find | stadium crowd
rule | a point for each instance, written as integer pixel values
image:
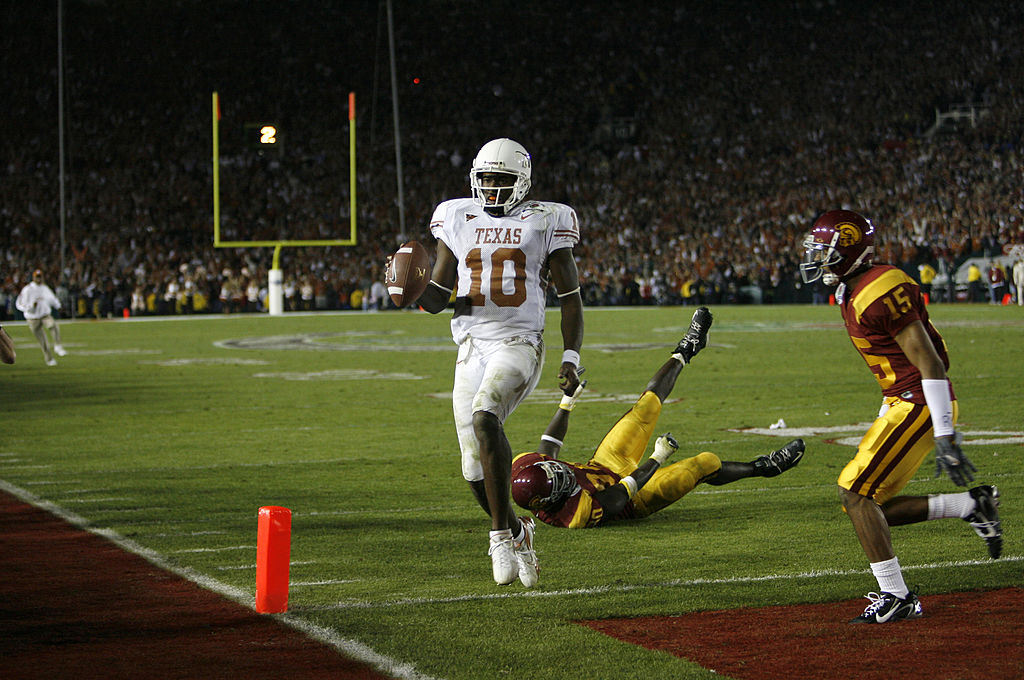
(696, 145)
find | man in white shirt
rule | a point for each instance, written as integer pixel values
(497, 252)
(37, 302)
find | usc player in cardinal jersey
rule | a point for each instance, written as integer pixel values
(888, 323)
(614, 484)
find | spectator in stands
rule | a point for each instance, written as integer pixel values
(729, 188)
(377, 296)
(996, 282)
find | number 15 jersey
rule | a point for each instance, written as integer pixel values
(502, 263)
(883, 303)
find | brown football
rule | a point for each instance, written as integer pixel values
(409, 273)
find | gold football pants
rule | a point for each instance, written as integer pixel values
(892, 450)
(621, 449)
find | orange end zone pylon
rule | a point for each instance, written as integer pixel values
(273, 553)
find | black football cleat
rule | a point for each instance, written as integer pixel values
(777, 462)
(985, 518)
(886, 608)
(696, 337)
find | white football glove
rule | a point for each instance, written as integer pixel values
(664, 447)
(568, 402)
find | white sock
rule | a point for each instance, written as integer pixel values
(890, 577)
(944, 505)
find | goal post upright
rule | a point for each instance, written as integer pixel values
(216, 168)
(275, 276)
(352, 165)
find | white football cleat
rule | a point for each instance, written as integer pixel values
(529, 567)
(503, 558)
(59, 349)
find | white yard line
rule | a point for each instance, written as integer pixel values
(674, 583)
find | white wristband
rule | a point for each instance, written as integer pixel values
(562, 295)
(936, 395)
(571, 356)
(630, 485)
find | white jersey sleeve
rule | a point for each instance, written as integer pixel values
(502, 264)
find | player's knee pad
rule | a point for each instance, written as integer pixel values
(705, 464)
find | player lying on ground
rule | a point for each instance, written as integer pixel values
(614, 484)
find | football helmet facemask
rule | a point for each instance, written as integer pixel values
(839, 245)
(543, 485)
(500, 175)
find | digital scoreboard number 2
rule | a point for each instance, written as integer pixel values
(268, 134)
(263, 136)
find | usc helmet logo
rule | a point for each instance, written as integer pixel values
(849, 234)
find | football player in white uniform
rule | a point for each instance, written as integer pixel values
(496, 251)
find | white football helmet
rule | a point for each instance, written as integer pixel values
(509, 158)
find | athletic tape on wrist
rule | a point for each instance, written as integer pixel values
(936, 395)
(630, 485)
(571, 356)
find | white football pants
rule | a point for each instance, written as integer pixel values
(493, 376)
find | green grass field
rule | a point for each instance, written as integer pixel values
(169, 434)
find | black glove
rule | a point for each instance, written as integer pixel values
(949, 458)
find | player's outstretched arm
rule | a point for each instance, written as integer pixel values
(442, 281)
(553, 437)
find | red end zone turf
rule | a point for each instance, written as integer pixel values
(74, 605)
(962, 635)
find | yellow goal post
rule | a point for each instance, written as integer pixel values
(275, 283)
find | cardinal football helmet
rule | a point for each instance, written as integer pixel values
(543, 485)
(840, 243)
(504, 159)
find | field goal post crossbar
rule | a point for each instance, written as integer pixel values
(275, 297)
